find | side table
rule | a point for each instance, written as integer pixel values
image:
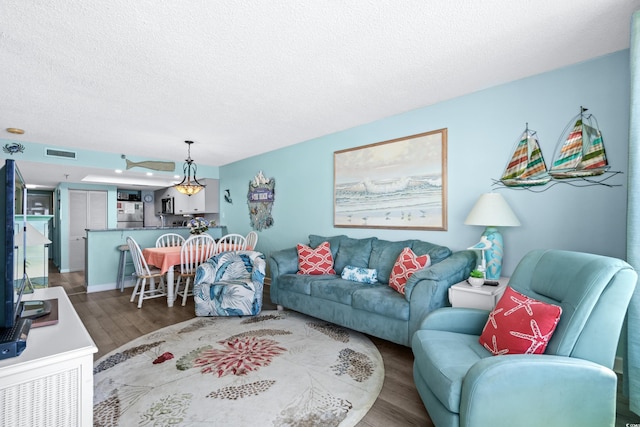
(485, 297)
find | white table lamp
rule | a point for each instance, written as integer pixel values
(492, 211)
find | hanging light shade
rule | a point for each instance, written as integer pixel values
(189, 184)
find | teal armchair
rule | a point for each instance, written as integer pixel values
(572, 383)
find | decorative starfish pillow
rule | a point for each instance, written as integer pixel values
(315, 261)
(406, 264)
(519, 325)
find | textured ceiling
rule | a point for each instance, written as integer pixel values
(245, 77)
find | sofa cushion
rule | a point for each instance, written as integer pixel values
(334, 242)
(406, 264)
(335, 289)
(383, 256)
(443, 359)
(382, 300)
(315, 261)
(354, 252)
(299, 283)
(519, 325)
(436, 253)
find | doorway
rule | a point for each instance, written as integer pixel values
(87, 210)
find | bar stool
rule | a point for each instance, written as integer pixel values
(121, 266)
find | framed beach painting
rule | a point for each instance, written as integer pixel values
(396, 184)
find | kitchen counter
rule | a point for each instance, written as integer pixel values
(166, 229)
(103, 256)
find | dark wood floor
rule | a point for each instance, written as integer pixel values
(113, 321)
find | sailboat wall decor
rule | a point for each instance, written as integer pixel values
(526, 167)
(582, 154)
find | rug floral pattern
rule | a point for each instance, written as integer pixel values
(274, 369)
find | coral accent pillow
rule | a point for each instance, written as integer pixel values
(406, 264)
(519, 325)
(315, 261)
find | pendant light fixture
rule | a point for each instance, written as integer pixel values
(189, 184)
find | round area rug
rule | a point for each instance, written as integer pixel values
(275, 369)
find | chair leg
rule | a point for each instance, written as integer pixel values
(186, 291)
(135, 290)
(176, 291)
(141, 297)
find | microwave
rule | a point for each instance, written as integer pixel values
(167, 206)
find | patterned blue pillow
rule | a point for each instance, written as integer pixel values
(359, 274)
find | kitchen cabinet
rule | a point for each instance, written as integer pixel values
(206, 201)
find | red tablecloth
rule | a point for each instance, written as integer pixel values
(163, 258)
(166, 257)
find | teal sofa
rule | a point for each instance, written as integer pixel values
(571, 384)
(375, 309)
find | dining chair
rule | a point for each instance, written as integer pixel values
(169, 239)
(252, 240)
(195, 250)
(144, 273)
(231, 242)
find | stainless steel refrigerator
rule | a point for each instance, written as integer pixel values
(130, 214)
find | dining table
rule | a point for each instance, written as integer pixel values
(166, 258)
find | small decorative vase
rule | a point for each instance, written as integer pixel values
(476, 282)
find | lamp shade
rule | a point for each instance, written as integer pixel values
(492, 209)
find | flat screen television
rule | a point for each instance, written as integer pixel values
(12, 222)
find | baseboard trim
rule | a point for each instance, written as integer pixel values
(108, 286)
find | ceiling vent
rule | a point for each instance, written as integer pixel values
(54, 152)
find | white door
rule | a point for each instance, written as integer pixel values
(87, 209)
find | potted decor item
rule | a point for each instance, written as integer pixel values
(476, 278)
(198, 225)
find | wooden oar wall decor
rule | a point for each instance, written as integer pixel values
(151, 164)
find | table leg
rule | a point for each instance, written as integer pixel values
(170, 295)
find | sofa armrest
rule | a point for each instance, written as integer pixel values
(281, 262)
(460, 320)
(448, 271)
(427, 289)
(284, 261)
(540, 390)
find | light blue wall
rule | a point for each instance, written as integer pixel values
(483, 128)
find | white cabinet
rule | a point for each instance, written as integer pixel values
(51, 382)
(212, 194)
(206, 201)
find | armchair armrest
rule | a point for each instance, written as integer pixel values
(461, 320)
(538, 390)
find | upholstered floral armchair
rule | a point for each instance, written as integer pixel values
(230, 284)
